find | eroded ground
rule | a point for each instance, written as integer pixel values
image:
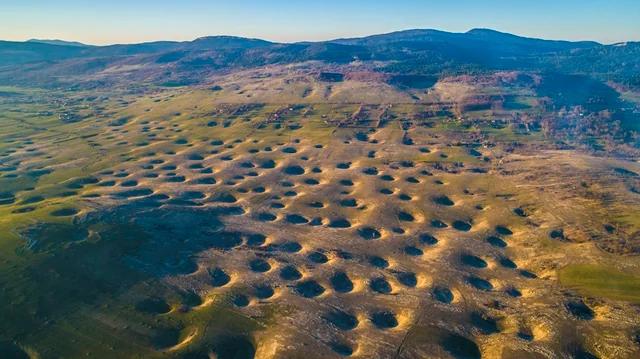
(176, 225)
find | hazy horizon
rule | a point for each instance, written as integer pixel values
(303, 40)
(121, 22)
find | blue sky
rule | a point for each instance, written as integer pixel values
(127, 21)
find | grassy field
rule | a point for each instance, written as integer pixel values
(190, 223)
(601, 281)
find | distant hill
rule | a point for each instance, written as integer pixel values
(59, 42)
(227, 42)
(473, 39)
(17, 53)
(419, 51)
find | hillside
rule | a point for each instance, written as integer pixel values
(426, 52)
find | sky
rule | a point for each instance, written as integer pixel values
(132, 21)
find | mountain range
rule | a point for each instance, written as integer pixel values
(55, 63)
